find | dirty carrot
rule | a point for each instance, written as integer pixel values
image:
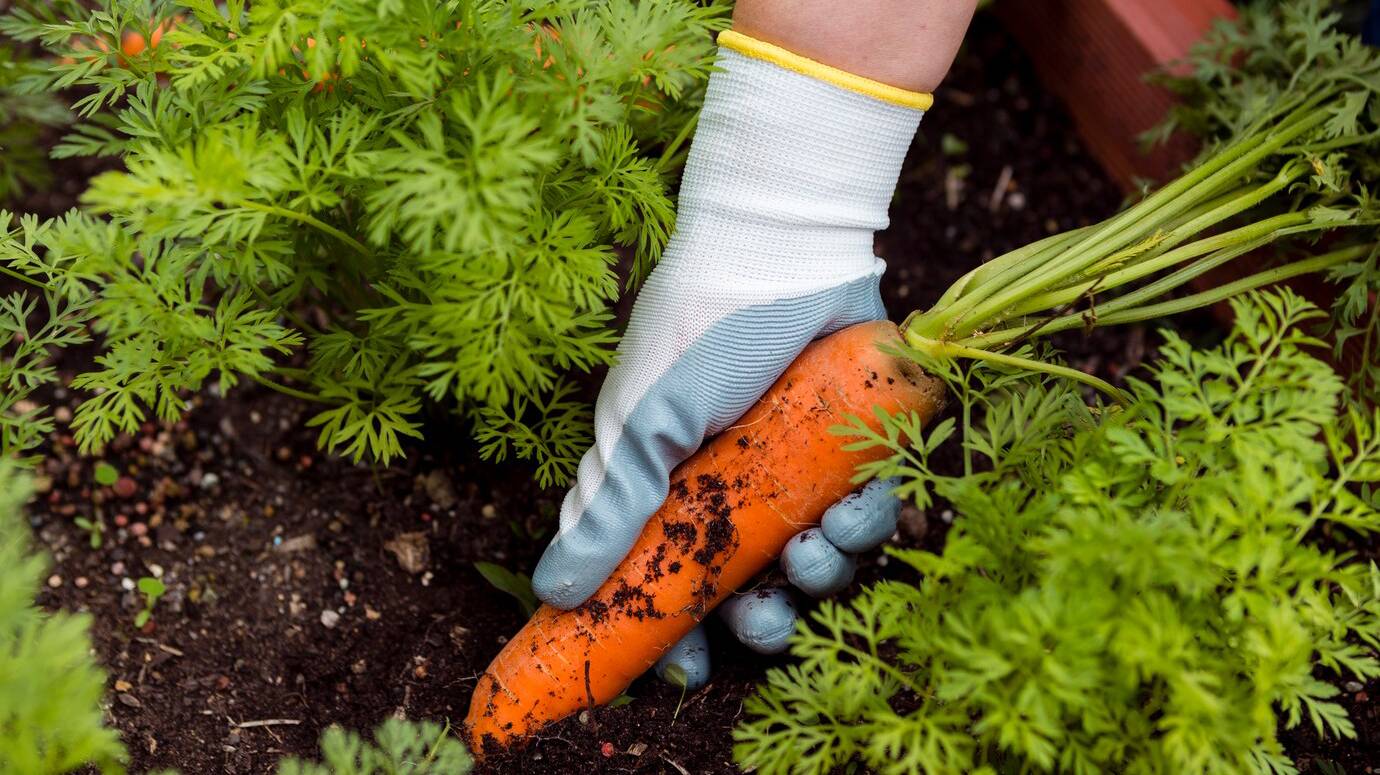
(733, 505)
(731, 509)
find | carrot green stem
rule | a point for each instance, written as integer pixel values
(939, 349)
(323, 227)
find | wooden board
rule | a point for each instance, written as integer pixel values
(1094, 54)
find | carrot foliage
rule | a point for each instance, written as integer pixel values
(1151, 588)
(372, 206)
(1291, 111)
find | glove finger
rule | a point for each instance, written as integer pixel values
(643, 430)
(816, 566)
(691, 655)
(762, 619)
(864, 520)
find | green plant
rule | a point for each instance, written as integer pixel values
(399, 748)
(518, 585)
(152, 590)
(28, 338)
(23, 118)
(50, 689)
(1151, 588)
(94, 529)
(1247, 71)
(365, 205)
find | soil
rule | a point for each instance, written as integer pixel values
(305, 591)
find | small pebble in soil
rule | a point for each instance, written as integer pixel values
(209, 480)
(138, 529)
(125, 487)
(127, 584)
(81, 581)
(489, 511)
(121, 520)
(117, 568)
(156, 570)
(1354, 686)
(329, 619)
(54, 581)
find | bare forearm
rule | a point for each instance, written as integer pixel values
(905, 43)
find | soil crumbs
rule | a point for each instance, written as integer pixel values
(305, 592)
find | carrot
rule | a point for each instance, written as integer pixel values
(731, 509)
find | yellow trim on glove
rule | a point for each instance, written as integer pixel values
(760, 49)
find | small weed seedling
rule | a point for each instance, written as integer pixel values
(152, 589)
(516, 584)
(94, 529)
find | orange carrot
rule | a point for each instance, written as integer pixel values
(731, 509)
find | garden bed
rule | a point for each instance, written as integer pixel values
(305, 592)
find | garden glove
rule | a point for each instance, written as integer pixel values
(791, 171)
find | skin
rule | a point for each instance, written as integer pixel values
(905, 43)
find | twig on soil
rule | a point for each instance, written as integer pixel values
(675, 764)
(270, 722)
(999, 190)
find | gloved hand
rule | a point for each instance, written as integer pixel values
(789, 175)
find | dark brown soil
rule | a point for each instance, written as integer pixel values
(293, 600)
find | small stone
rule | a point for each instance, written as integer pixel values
(156, 570)
(329, 619)
(412, 550)
(607, 750)
(129, 700)
(127, 584)
(489, 511)
(209, 480)
(359, 667)
(125, 487)
(117, 568)
(583, 717)
(122, 685)
(1353, 686)
(371, 614)
(121, 520)
(458, 636)
(438, 487)
(54, 581)
(301, 543)
(912, 523)
(62, 414)
(138, 529)
(82, 582)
